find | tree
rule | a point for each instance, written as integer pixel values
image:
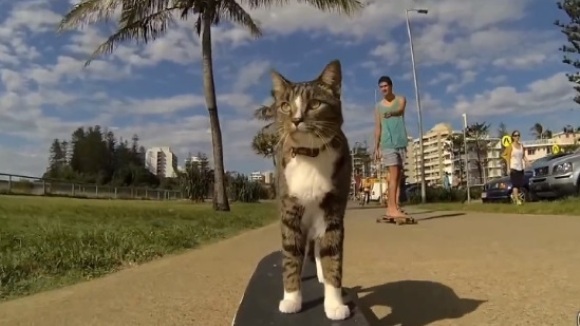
(196, 178)
(264, 143)
(502, 130)
(478, 137)
(96, 156)
(537, 130)
(571, 29)
(143, 21)
(456, 146)
(56, 160)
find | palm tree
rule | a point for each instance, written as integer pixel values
(547, 134)
(502, 130)
(456, 146)
(146, 20)
(264, 143)
(538, 130)
(479, 132)
(568, 129)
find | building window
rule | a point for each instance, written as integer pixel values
(531, 151)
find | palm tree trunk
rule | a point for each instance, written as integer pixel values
(220, 198)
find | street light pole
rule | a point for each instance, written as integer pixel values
(418, 100)
(466, 156)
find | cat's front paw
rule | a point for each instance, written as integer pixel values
(288, 306)
(336, 311)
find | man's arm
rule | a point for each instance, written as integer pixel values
(399, 111)
(377, 128)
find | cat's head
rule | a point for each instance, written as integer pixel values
(309, 113)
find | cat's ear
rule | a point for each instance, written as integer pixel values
(332, 76)
(279, 83)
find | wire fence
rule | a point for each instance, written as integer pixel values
(27, 185)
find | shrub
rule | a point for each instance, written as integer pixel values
(442, 195)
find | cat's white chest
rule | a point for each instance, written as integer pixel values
(309, 179)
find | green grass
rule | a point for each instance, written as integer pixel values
(569, 206)
(51, 242)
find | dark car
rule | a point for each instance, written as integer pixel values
(500, 189)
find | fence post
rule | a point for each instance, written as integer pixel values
(43, 187)
(146, 193)
(9, 184)
(115, 192)
(73, 189)
(158, 194)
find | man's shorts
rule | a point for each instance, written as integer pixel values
(393, 156)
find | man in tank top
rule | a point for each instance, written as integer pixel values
(391, 141)
(516, 161)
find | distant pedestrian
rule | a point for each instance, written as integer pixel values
(446, 183)
(516, 161)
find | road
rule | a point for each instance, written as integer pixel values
(450, 269)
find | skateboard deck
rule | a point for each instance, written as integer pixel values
(259, 305)
(385, 219)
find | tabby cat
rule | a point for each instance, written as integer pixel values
(313, 175)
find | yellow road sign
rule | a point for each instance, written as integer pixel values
(506, 141)
(556, 149)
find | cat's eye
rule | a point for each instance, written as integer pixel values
(285, 107)
(315, 104)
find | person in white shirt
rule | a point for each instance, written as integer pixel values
(516, 161)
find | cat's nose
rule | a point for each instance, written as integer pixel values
(297, 121)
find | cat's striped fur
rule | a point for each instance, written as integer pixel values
(313, 177)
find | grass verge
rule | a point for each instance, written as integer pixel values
(569, 206)
(48, 242)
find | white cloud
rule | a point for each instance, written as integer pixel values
(250, 74)
(548, 95)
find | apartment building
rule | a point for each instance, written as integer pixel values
(257, 176)
(161, 161)
(439, 158)
(437, 155)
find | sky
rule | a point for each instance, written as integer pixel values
(495, 60)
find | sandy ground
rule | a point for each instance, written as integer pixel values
(450, 269)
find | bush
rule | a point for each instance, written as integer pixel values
(245, 190)
(442, 195)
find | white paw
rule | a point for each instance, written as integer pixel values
(336, 311)
(320, 277)
(288, 306)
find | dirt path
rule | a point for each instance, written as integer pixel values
(475, 269)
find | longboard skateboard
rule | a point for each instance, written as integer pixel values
(398, 221)
(259, 305)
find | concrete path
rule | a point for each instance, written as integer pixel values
(450, 269)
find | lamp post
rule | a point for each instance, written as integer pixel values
(466, 156)
(418, 100)
(353, 155)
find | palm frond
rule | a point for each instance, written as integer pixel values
(136, 28)
(87, 12)
(265, 112)
(347, 7)
(232, 11)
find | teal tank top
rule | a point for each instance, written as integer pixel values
(393, 131)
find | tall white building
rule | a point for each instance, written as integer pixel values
(161, 161)
(439, 159)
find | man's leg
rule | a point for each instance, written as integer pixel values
(400, 154)
(391, 160)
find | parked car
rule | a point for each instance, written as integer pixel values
(558, 176)
(500, 190)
